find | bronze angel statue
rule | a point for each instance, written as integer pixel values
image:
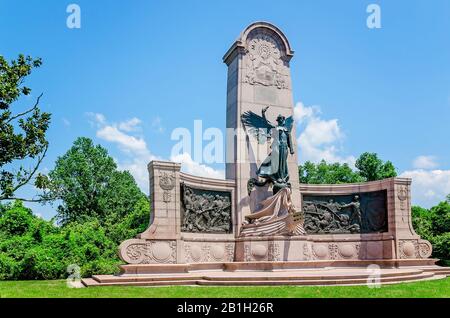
(274, 168)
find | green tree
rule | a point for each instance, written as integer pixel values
(421, 220)
(132, 224)
(88, 185)
(440, 218)
(371, 168)
(22, 133)
(15, 220)
(325, 173)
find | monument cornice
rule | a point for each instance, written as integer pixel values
(240, 44)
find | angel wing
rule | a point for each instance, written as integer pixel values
(289, 123)
(257, 125)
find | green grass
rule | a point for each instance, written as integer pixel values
(58, 288)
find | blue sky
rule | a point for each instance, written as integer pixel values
(138, 69)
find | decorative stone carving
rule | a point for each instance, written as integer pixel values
(306, 252)
(207, 252)
(217, 252)
(333, 250)
(402, 196)
(167, 183)
(148, 252)
(205, 211)
(274, 252)
(425, 249)
(414, 249)
(247, 255)
(264, 64)
(229, 248)
(408, 249)
(347, 250)
(259, 251)
(137, 253)
(320, 251)
(161, 251)
(337, 214)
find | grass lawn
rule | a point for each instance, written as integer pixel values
(58, 288)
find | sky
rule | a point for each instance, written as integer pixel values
(136, 70)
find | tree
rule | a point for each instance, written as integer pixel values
(371, 168)
(434, 225)
(324, 173)
(22, 134)
(15, 220)
(421, 220)
(440, 218)
(87, 182)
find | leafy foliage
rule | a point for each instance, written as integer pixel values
(100, 207)
(22, 134)
(324, 173)
(87, 182)
(369, 168)
(434, 225)
(31, 248)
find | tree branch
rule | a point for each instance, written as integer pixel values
(28, 111)
(25, 200)
(24, 182)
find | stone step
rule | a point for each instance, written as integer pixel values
(245, 282)
(282, 275)
(438, 270)
(252, 279)
(269, 265)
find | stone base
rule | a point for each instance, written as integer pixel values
(212, 249)
(274, 273)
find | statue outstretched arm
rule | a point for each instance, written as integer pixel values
(263, 113)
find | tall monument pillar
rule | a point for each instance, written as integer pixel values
(258, 76)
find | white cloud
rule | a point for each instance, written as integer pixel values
(319, 138)
(137, 152)
(157, 125)
(130, 125)
(302, 112)
(96, 119)
(428, 186)
(194, 168)
(425, 162)
(127, 143)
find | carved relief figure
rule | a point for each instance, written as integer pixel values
(322, 217)
(206, 212)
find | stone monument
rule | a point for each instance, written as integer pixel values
(260, 217)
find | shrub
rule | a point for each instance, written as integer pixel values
(16, 220)
(9, 268)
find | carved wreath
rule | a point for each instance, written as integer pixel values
(166, 181)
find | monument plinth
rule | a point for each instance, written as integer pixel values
(260, 217)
